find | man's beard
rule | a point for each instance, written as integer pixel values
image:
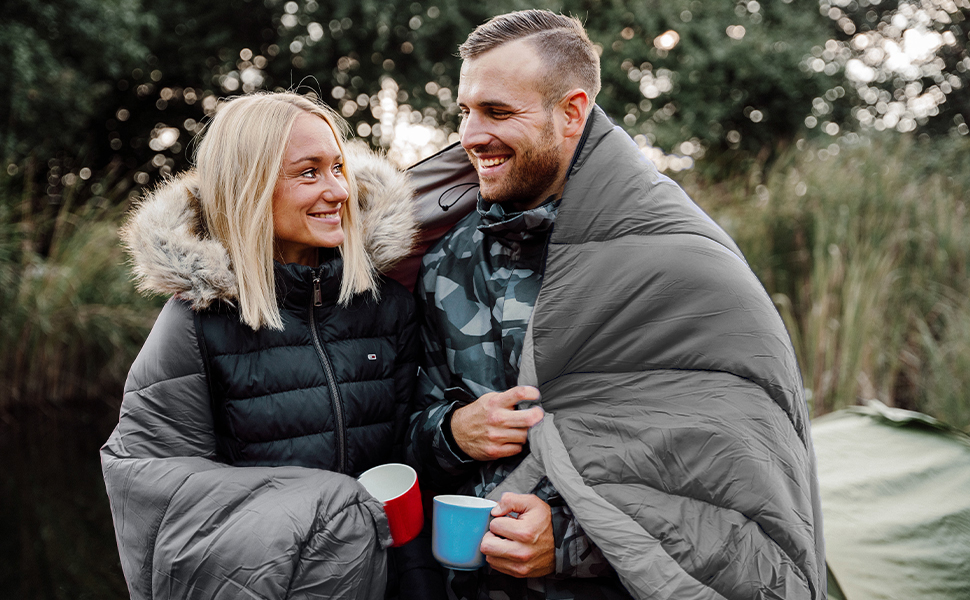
(534, 172)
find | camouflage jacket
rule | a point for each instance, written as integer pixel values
(476, 291)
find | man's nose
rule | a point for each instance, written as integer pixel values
(473, 131)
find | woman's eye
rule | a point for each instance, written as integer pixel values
(308, 173)
(338, 169)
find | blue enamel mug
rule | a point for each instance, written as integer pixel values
(458, 525)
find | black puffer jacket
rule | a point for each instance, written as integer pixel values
(208, 400)
(330, 391)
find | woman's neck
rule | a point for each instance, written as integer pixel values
(308, 257)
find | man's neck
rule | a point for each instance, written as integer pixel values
(516, 206)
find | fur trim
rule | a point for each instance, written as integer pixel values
(386, 204)
(172, 255)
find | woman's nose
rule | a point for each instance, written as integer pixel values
(335, 190)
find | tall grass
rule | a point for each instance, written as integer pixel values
(71, 321)
(867, 255)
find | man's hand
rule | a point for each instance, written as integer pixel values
(491, 428)
(521, 546)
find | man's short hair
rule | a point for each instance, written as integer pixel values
(569, 57)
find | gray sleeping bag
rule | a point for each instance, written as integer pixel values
(188, 526)
(676, 429)
(679, 432)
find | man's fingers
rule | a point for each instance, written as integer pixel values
(523, 546)
(533, 515)
(523, 419)
(492, 545)
(509, 436)
(511, 529)
(515, 558)
(509, 398)
(518, 503)
(491, 428)
(506, 450)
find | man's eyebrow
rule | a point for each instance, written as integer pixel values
(495, 104)
(486, 104)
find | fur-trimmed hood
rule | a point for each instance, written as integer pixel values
(171, 255)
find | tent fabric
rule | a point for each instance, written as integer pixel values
(895, 489)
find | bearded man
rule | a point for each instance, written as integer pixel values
(601, 360)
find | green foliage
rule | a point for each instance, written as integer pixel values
(138, 72)
(906, 64)
(415, 43)
(72, 322)
(734, 82)
(103, 79)
(867, 254)
(61, 61)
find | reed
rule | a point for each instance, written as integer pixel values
(72, 321)
(867, 255)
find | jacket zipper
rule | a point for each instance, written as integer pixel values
(331, 379)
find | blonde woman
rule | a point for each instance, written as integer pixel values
(281, 367)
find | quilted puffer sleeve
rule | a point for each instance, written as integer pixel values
(405, 372)
(188, 526)
(427, 447)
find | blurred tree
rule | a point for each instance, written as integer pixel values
(131, 84)
(721, 79)
(198, 51)
(366, 58)
(61, 61)
(724, 79)
(906, 64)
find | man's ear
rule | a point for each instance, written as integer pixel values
(575, 107)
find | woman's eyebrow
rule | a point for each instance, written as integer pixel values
(317, 158)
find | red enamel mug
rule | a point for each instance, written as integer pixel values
(396, 486)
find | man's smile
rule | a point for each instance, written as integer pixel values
(492, 162)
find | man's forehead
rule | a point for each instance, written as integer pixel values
(483, 95)
(499, 77)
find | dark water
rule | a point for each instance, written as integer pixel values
(56, 537)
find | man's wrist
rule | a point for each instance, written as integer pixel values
(450, 436)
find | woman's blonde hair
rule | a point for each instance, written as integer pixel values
(239, 161)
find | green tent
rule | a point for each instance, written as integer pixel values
(895, 488)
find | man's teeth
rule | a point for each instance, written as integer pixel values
(491, 162)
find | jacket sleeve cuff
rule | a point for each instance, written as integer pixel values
(576, 555)
(450, 435)
(450, 457)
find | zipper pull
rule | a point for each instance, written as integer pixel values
(317, 294)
